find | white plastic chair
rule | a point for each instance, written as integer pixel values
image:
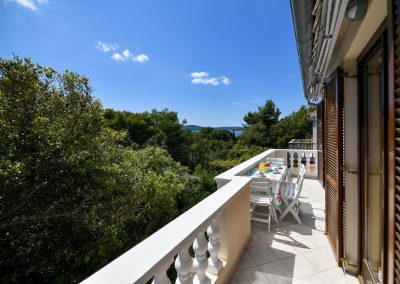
(290, 192)
(261, 196)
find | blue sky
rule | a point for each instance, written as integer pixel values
(212, 61)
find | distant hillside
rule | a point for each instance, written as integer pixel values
(192, 127)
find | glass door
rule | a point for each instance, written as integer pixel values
(372, 165)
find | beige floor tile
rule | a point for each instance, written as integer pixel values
(312, 214)
(300, 266)
(291, 252)
(245, 262)
(266, 237)
(262, 254)
(320, 259)
(319, 239)
(300, 229)
(303, 245)
(277, 272)
(282, 250)
(316, 224)
(336, 275)
(350, 279)
(329, 251)
(255, 241)
(319, 278)
(252, 275)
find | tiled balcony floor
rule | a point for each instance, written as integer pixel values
(292, 253)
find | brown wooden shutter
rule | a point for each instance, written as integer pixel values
(320, 139)
(333, 160)
(392, 265)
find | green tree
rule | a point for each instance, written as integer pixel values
(72, 196)
(258, 125)
(265, 128)
(293, 126)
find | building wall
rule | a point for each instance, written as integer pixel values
(352, 39)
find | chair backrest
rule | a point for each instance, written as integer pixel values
(276, 161)
(299, 186)
(302, 171)
(260, 186)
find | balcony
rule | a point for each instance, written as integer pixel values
(215, 241)
(305, 144)
(291, 253)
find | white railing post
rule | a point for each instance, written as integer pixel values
(183, 266)
(201, 262)
(214, 263)
(161, 275)
(291, 159)
(308, 157)
(299, 159)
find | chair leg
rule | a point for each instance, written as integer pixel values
(274, 214)
(286, 211)
(296, 216)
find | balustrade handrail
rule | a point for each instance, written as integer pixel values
(153, 256)
(302, 140)
(243, 167)
(142, 262)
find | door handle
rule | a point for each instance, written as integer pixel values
(347, 170)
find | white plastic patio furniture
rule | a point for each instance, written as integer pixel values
(280, 162)
(261, 196)
(290, 194)
(276, 161)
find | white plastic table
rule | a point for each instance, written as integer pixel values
(275, 179)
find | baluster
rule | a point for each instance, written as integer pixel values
(161, 275)
(214, 263)
(291, 159)
(201, 262)
(183, 266)
(299, 159)
(161, 278)
(308, 157)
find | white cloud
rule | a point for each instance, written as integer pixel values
(118, 57)
(199, 74)
(29, 4)
(141, 58)
(127, 54)
(236, 103)
(204, 78)
(225, 80)
(205, 81)
(106, 46)
(121, 56)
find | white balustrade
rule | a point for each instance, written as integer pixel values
(152, 257)
(308, 156)
(200, 261)
(291, 154)
(214, 263)
(297, 157)
(161, 275)
(183, 266)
